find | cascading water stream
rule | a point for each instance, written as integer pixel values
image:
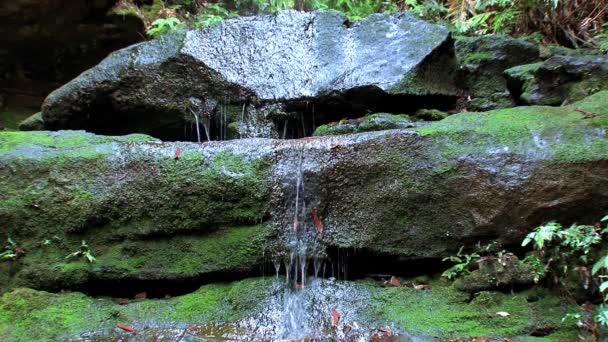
(302, 246)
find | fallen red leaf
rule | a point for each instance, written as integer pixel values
(178, 153)
(335, 317)
(126, 328)
(123, 301)
(141, 295)
(393, 282)
(318, 223)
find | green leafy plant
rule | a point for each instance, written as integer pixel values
(557, 248)
(463, 263)
(11, 250)
(212, 15)
(163, 26)
(84, 252)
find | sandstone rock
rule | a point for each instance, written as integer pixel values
(419, 192)
(241, 65)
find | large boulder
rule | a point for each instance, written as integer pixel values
(152, 210)
(232, 72)
(559, 79)
(483, 60)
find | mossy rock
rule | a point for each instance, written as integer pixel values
(483, 61)
(148, 209)
(32, 123)
(430, 114)
(496, 274)
(368, 123)
(559, 79)
(229, 251)
(29, 315)
(439, 312)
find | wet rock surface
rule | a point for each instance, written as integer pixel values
(559, 79)
(246, 62)
(418, 192)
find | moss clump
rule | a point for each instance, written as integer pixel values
(10, 117)
(368, 123)
(431, 114)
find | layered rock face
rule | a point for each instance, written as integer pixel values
(154, 210)
(251, 72)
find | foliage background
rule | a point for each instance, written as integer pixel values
(571, 23)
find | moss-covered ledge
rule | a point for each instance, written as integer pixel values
(148, 209)
(244, 307)
(227, 252)
(562, 134)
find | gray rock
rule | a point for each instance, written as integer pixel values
(559, 79)
(250, 61)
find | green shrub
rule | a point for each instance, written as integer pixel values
(163, 26)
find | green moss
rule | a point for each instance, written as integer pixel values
(476, 57)
(56, 168)
(523, 72)
(444, 312)
(431, 114)
(10, 141)
(562, 133)
(28, 315)
(231, 249)
(439, 312)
